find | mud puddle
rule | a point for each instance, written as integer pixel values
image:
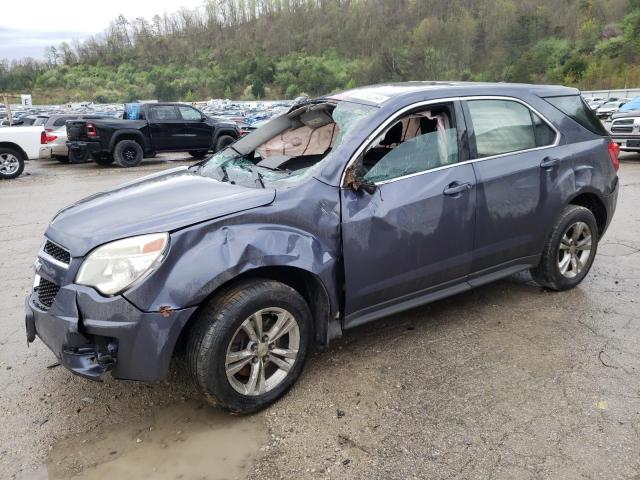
(186, 441)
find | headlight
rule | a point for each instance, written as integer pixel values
(115, 266)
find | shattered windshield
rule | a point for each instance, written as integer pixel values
(288, 148)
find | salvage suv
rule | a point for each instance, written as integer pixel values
(348, 208)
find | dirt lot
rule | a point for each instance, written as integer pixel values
(504, 382)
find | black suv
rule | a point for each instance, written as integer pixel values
(346, 209)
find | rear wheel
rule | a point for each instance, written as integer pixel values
(78, 156)
(128, 153)
(11, 163)
(570, 250)
(224, 141)
(249, 345)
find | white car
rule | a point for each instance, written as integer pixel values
(57, 143)
(18, 144)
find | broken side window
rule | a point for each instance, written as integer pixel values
(418, 142)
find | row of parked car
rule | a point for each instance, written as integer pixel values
(606, 108)
(125, 134)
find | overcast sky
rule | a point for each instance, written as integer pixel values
(28, 26)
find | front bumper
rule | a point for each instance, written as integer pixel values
(91, 334)
(627, 143)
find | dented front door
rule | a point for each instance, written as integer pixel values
(407, 239)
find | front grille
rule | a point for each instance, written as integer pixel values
(46, 292)
(57, 252)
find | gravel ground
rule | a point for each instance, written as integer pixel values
(505, 382)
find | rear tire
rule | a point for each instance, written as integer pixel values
(267, 364)
(224, 141)
(128, 153)
(570, 250)
(11, 163)
(78, 156)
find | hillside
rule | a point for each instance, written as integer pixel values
(281, 48)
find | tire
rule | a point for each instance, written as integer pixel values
(224, 141)
(218, 331)
(103, 159)
(199, 153)
(11, 163)
(78, 156)
(128, 153)
(563, 248)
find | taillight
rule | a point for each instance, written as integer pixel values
(614, 152)
(50, 137)
(43, 137)
(91, 130)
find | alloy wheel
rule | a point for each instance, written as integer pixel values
(9, 164)
(262, 351)
(574, 250)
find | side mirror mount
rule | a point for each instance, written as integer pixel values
(203, 118)
(355, 181)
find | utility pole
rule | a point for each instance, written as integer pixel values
(5, 98)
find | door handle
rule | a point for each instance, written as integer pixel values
(549, 163)
(456, 188)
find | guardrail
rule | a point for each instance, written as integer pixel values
(605, 94)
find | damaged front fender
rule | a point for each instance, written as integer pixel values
(204, 257)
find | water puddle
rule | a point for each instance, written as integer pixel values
(185, 441)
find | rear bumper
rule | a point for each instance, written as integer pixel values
(45, 153)
(610, 203)
(91, 147)
(59, 150)
(91, 335)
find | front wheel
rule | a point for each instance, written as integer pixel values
(570, 250)
(11, 163)
(249, 345)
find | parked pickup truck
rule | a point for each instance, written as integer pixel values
(148, 129)
(18, 144)
(625, 130)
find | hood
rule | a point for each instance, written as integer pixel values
(161, 202)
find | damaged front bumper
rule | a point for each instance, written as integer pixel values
(91, 335)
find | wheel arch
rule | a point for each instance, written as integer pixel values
(307, 284)
(16, 147)
(592, 201)
(134, 135)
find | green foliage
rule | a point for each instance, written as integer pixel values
(281, 48)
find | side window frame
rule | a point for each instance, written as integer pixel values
(473, 149)
(458, 120)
